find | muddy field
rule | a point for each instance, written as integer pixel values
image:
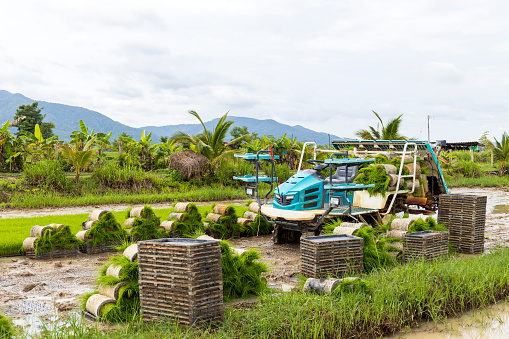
(31, 289)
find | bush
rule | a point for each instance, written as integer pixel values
(468, 169)
(46, 174)
(113, 175)
(226, 171)
(175, 176)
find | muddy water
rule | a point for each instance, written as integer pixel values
(489, 323)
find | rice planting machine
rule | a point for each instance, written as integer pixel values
(308, 198)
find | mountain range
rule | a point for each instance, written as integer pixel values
(66, 119)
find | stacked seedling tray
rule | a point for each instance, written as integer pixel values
(428, 245)
(330, 255)
(181, 280)
(465, 217)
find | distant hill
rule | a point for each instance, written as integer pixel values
(66, 119)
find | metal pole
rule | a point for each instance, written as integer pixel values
(428, 128)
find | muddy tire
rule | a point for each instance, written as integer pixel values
(283, 236)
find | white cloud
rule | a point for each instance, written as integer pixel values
(321, 64)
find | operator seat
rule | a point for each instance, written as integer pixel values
(338, 178)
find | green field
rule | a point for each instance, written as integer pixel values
(14, 230)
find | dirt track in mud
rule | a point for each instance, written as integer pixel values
(30, 288)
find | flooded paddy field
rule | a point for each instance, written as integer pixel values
(32, 291)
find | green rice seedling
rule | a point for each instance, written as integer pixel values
(6, 327)
(260, 226)
(191, 225)
(329, 226)
(106, 229)
(428, 225)
(228, 227)
(147, 228)
(62, 238)
(374, 174)
(375, 254)
(241, 273)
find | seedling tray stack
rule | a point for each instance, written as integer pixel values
(465, 217)
(56, 252)
(181, 280)
(429, 245)
(334, 255)
(108, 246)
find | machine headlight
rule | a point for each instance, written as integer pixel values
(290, 197)
(277, 196)
(249, 191)
(334, 201)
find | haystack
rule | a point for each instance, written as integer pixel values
(188, 163)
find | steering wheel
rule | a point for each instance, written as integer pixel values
(314, 162)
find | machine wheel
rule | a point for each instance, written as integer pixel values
(283, 236)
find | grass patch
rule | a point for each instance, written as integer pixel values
(483, 181)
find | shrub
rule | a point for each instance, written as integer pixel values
(113, 175)
(468, 169)
(46, 174)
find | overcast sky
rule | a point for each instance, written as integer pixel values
(324, 65)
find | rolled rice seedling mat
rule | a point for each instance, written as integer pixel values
(38, 231)
(398, 234)
(408, 183)
(112, 291)
(167, 225)
(390, 169)
(415, 217)
(131, 252)
(179, 216)
(82, 235)
(408, 158)
(56, 252)
(96, 214)
(321, 286)
(114, 271)
(345, 230)
(96, 302)
(401, 224)
(86, 225)
(129, 222)
(394, 180)
(207, 237)
(137, 212)
(243, 221)
(179, 279)
(250, 215)
(410, 168)
(214, 217)
(29, 243)
(220, 209)
(254, 207)
(396, 245)
(182, 207)
(57, 227)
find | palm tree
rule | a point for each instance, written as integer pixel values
(389, 132)
(501, 152)
(211, 144)
(79, 155)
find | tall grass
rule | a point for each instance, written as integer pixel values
(46, 174)
(41, 198)
(393, 300)
(482, 181)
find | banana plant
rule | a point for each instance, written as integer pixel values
(38, 147)
(11, 150)
(79, 155)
